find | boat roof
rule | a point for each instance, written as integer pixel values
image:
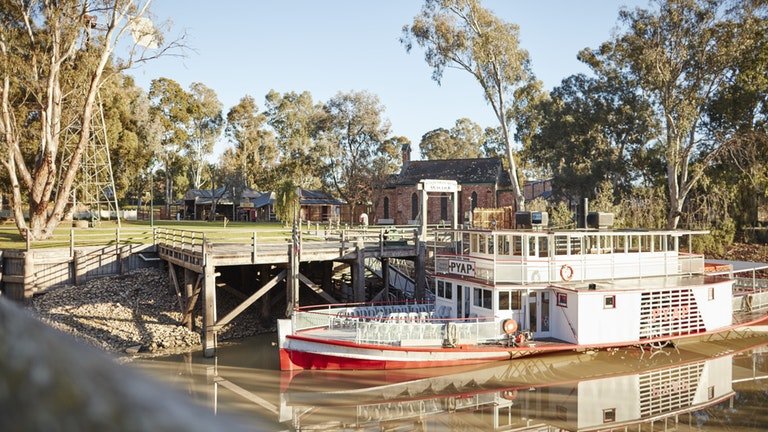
(736, 267)
(639, 284)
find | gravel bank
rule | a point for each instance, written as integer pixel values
(119, 313)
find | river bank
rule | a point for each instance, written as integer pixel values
(133, 313)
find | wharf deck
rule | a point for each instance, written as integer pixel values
(191, 250)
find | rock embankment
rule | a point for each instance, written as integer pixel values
(133, 312)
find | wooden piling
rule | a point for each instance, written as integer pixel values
(209, 308)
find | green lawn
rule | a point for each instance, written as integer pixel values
(141, 232)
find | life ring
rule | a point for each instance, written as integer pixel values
(509, 326)
(509, 394)
(566, 272)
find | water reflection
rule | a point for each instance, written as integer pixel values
(711, 385)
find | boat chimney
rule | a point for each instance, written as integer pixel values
(581, 213)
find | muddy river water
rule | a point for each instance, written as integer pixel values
(720, 384)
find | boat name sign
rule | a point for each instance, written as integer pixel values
(464, 268)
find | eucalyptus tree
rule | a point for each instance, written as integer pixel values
(463, 141)
(299, 124)
(462, 34)
(205, 126)
(590, 131)
(54, 57)
(255, 150)
(358, 131)
(131, 134)
(677, 55)
(170, 107)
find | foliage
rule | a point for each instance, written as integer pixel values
(359, 134)
(589, 131)
(464, 35)
(560, 215)
(255, 152)
(677, 55)
(205, 126)
(286, 202)
(463, 141)
(299, 124)
(54, 57)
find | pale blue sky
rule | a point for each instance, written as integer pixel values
(251, 46)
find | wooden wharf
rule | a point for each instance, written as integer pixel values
(195, 260)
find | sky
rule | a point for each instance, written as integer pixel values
(248, 47)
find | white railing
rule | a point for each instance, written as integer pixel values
(403, 324)
(586, 267)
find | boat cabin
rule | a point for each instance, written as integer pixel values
(580, 286)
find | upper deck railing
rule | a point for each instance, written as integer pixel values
(562, 256)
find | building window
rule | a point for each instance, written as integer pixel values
(562, 299)
(414, 206)
(711, 293)
(444, 207)
(609, 415)
(609, 302)
(473, 204)
(386, 207)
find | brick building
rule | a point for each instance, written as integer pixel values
(484, 183)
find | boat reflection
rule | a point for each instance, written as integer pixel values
(600, 390)
(589, 391)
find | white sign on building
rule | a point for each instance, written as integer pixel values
(440, 185)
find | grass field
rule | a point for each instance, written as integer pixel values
(141, 232)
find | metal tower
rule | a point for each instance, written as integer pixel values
(94, 187)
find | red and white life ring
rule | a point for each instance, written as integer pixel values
(509, 326)
(566, 272)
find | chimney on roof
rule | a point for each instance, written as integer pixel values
(406, 154)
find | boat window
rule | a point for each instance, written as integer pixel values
(482, 298)
(606, 244)
(576, 245)
(645, 243)
(562, 299)
(609, 302)
(473, 239)
(488, 299)
(503, 245)
(481, 244)
(590, 244)
(532, 246)
(517, 246)
(561, 245)
(619, 244)
(609, 415)
(543, 246)
(510, 300)
(444, 289)
(490, 244)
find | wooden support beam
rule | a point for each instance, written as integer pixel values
(209, 308)
(190, 296)
(314, 287)
(358, 276)
(175, 283)
(255, 296)
(421, 272)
